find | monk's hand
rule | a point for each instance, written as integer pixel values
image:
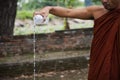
(43, 12)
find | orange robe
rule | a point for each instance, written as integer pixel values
(105, 50)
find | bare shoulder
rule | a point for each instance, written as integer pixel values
(95, 8)
(97, 11)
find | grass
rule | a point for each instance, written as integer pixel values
(46, 29)
(28, 28)
(23, 14)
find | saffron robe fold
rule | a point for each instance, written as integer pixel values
(105, 49)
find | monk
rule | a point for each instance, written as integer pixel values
(105, 48)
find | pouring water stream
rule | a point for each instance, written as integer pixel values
(38, 20)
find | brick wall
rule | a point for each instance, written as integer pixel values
(60, 40)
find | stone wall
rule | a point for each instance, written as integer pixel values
(60, 40)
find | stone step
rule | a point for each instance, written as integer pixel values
(45, 65)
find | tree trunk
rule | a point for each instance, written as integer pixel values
(66, 24)
(7, 17)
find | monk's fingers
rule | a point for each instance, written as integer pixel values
(43, 13)
(36, 13)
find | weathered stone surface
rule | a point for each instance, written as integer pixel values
(60, 40)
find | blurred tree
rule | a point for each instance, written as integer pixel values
(7, 17)
(66, 23)
(69, 4)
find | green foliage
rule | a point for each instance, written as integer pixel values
(23, 14)
(98, 2)
(71, 3)
(35, 4)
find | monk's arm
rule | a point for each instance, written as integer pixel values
(80, 13)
